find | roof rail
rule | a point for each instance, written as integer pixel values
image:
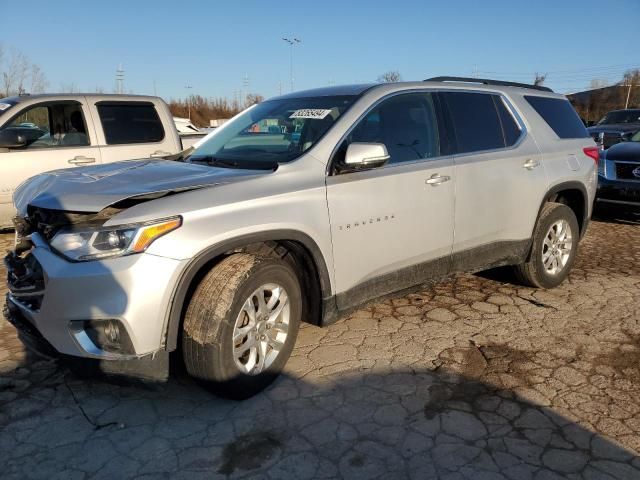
(487, 81)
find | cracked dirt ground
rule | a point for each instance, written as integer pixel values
(473, 378)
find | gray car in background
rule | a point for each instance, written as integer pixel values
(301, 208)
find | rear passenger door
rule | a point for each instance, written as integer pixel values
(131, 130)
(499, 179)
(392, 226)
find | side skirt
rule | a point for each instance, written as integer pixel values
(411, 278)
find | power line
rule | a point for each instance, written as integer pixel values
(569, 71)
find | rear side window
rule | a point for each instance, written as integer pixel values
(125, 123)
(559, 115)
(475, 121)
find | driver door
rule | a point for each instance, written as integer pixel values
(392, 226)
(58, 136)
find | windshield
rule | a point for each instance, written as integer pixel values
(623, 116)
(272, 132)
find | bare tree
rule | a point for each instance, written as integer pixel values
(17, 73)
(539, 78)
(390, 77)
(598, 83)
(631, 82)
(205, 109)
(38, 80)
(252, 99)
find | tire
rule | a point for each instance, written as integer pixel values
(533, 272)
(226, 295)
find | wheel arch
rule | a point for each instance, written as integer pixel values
(316, 281)
(574, 195)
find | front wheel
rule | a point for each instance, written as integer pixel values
(241, 324)
(554, 248)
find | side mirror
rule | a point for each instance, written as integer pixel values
(10, 138)
(360, 156)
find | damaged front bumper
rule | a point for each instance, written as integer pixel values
(114, 309)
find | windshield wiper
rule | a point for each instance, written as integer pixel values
(226, 163)
(215, 162)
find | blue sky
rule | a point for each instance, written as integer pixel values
(212, 45)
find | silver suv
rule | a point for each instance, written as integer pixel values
(301, 208)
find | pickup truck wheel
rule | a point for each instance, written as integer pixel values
(241, 324)
(554, 248)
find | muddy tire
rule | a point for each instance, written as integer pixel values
(554, 248)
(241, 324)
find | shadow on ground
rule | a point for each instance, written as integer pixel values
(476, 414)
(617, 214)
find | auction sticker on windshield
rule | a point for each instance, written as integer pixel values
(4, 106)
(310, 113)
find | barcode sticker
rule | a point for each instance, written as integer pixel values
(310, 113)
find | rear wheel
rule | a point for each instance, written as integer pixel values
(555, 244)
(241, 324)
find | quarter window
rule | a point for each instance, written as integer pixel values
(125, 123)
(406, 124)
(475, 120)
(559, 115)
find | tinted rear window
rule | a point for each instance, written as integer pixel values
(125, 123)
(475, 121)
(559, 115)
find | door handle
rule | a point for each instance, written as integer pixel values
(81, 160)
(530, 164)
(436, 179)
(159, 153)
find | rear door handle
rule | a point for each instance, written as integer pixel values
(159, 153)
(530, 164)
(81, 160)
(436, 179)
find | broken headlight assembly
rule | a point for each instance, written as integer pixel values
(81, 245)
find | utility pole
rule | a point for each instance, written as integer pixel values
(189, 87)
(626, 104)
(120, 79)
(293, 41)
(245, 90)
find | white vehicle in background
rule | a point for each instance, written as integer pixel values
(188, 132)
(39, 133)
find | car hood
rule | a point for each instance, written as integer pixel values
(91, 189)
(624, 151)
(615, 127)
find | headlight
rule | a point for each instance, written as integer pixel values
(95, 244)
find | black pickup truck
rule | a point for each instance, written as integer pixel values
(616, 126)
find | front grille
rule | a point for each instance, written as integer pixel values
(620, 194)
(625, 171)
